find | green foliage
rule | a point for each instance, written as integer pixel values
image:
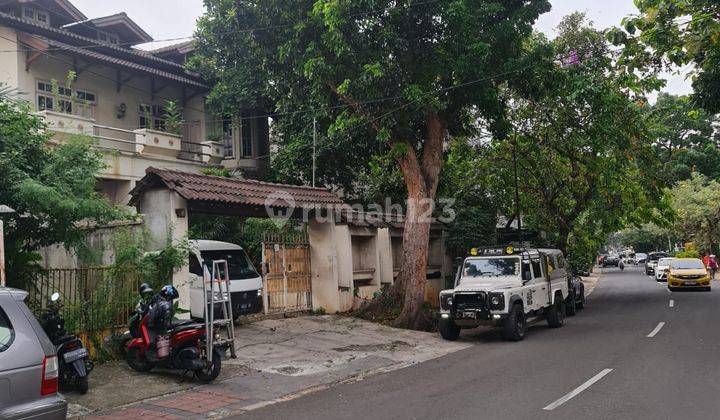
(669, 34)
(173, 118)
(685, 138)
(130, 250)
(52, 189)
(691, 253)
(216, 171)
(447, 57)
(697, 204)
(583, 150)
(645, 238)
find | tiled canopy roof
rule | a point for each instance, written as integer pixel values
(143, 61)
(95, 55)
(234, 192)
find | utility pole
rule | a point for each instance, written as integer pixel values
(3, 210)
(517, 190)
(313, 150)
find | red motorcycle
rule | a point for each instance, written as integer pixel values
(148, 347)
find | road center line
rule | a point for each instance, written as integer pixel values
(672, 303)
(654, 332)
(577, 390)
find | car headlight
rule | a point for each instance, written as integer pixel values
(497, 301)
(446, 302)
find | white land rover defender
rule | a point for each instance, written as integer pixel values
(505, 287)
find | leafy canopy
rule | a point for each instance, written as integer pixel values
(51, 189)
(669, 34)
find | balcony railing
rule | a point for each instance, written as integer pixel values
(142, 142)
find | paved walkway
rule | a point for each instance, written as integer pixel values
(277, 360)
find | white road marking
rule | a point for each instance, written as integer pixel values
(577, 390)
(672, 303)
(654, 332)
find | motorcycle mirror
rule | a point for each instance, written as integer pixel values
(55, 296)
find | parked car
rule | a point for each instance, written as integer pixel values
(612, 260)
(506, 287)
(576, 295)
(245, 281)
(662, 267)
(652, 260)
(688, 273)
(29, 369)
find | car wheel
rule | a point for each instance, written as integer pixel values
(556, 314)
(581, 302)
(571, 305)
(448, 329)
(707, 289)
(514, 325)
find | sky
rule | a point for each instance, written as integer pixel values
(164, 19)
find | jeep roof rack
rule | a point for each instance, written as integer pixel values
(504, 250)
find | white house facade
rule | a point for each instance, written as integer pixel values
(85, 76)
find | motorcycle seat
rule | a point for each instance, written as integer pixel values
(64, 339)
(185, 327)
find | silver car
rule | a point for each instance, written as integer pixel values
(28, 364)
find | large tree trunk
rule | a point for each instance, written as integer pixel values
(421, 180)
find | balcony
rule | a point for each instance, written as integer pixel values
(141, 142)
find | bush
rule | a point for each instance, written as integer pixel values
(690, 253)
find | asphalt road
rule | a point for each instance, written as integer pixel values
(614, 360)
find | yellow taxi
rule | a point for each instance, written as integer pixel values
(687, 273)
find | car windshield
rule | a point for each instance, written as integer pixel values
(687, 265)
(665, 261)
(238, 263)
(655, 257)
(491, 267)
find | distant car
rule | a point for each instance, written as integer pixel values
(610, 261)
(640, 258)
(28, 365)
(662, 267)
(651, 261)
(688, 273)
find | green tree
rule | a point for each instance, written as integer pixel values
(645, 238)
(52, 189)
(399, 76)
(685, 138)
(696, 202)
(583, 150)
(668, 34)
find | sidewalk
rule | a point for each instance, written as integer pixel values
(277, 360)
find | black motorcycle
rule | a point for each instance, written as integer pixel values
(75, 364)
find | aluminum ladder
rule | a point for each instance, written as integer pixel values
(216, 289)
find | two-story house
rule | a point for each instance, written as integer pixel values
(87, 76)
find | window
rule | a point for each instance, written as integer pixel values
(561, 261)
(537, 271)
(152, 117)
(195, 267)
(77, 102)
(7, 334)
(246, 136)
(37, 16)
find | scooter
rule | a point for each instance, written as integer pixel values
(75, 364)
(182, 346)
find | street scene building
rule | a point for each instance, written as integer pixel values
(405, 209)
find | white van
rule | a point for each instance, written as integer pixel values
(245, 281)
